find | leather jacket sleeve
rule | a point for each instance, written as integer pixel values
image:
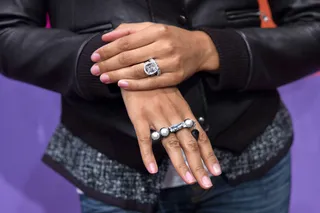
(54, 59)
(263, 59)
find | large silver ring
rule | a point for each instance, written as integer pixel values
(165, 132)
(151, 68)
(188, 123)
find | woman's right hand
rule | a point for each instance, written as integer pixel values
(160, 108)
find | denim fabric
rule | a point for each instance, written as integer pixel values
(270, 194)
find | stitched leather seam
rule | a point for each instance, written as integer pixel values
(79, 91)
(250, 58)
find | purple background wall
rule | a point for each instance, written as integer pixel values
(28, 116)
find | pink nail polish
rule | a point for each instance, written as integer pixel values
(95, 70)
(217, 169)
(105, 78)
(95, 57)
(206, 181)
(123, 84)
(152, 168)
(190, 178)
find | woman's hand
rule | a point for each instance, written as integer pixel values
(163, 108)
(179, 54)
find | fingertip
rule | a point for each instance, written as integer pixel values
(216, 169)
(153, 168)
(95, 70)
(95, 57)
(104, 78)
(114, 35)
(105, 37)
(206, 182)
(190, 178)
(123, 84)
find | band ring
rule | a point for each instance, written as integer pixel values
(165, 132)
(188, 123)
(151, 68)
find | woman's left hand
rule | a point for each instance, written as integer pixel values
(179, 53)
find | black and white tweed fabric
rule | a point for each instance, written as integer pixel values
(264, 148)
(98, 172)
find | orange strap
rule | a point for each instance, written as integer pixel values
(265, 11)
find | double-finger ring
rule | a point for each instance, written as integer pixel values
(165, 132)
(151, 68)
(188, 123)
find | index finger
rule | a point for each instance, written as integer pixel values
(121, 40)
(144, 139)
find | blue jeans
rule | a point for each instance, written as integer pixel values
(270, 194)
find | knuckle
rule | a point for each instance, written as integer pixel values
(144, 140)
(173, 143)
(146, 154)
(177, 61)
(199, 169)
(102, 66)
(102, 52)
(211, 156)
(169, 47)
(203, 139)
(124, 58)
(124, 44)
(146, 109)
(192, 146)
(163, 29)
(182, 167)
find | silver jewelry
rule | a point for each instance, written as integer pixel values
(175, 128)
(155, 135)
(164, 132)
(188, 123)
(151, 68)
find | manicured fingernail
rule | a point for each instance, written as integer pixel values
(217, 169)
(105, 78)
(190, 178)
(95, 70)
(123, 84)
(152, 168)
(206, 181)
(95, 57)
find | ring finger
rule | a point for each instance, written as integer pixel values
(129, 58)
(203, 142)
(133, 72)
(191, 149)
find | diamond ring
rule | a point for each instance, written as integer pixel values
(151, 68)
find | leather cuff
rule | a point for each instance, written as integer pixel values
(89, 85)
(234, 70)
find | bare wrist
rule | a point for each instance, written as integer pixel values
(208, 52)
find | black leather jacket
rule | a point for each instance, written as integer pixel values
(237, 104)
